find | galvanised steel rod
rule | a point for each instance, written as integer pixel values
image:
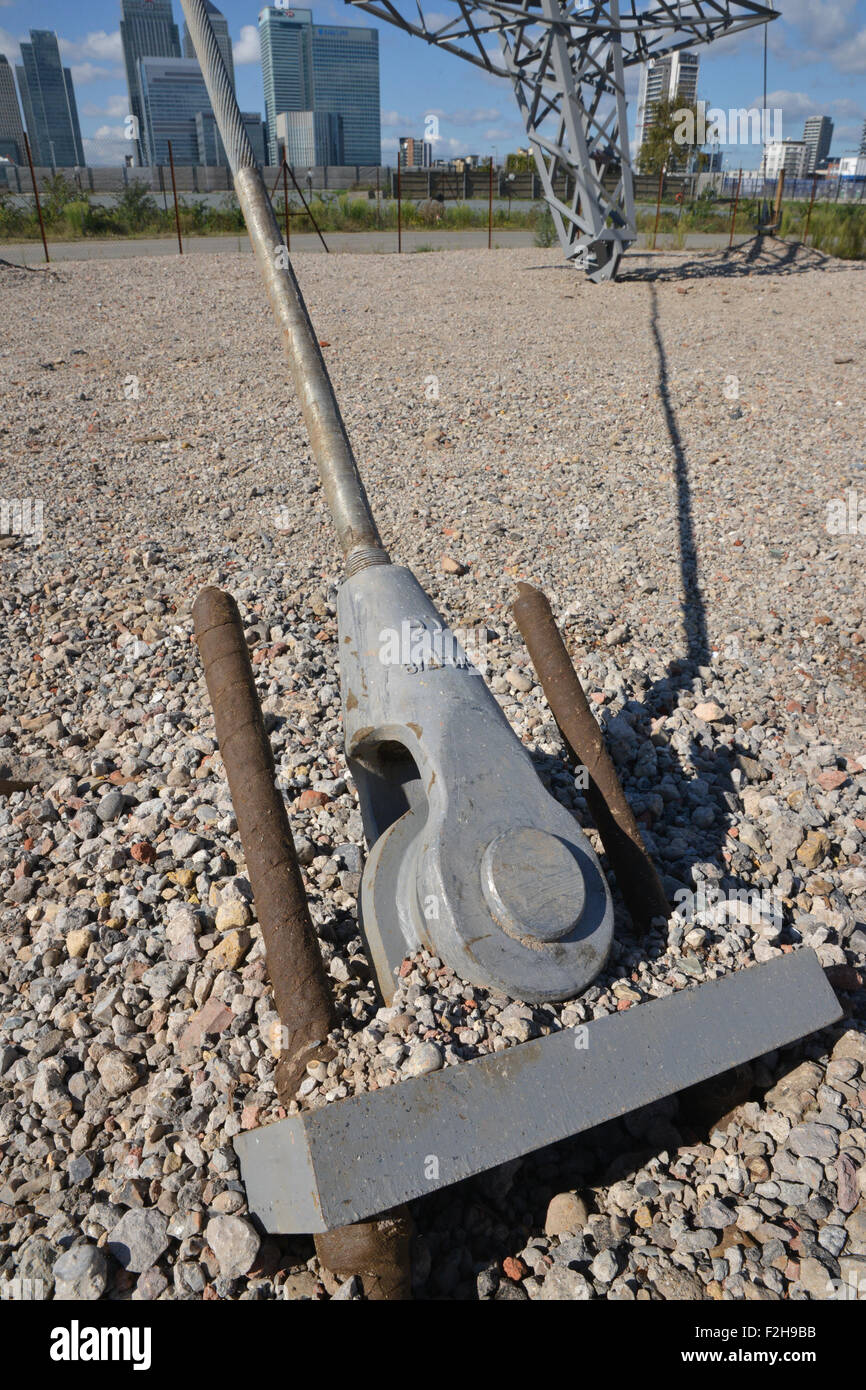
(341, 481)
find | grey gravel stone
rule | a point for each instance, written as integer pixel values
(234, 1242)
(80, 1273)
(138, 1239)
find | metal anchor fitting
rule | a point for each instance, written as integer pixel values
(470, 856)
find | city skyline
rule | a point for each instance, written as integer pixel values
(814, 69)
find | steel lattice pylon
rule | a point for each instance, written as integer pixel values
(566, 61)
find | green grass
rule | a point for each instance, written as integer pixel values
(72, 216)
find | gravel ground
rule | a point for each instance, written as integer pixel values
(676, 459)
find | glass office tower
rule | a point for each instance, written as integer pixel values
(48, 99)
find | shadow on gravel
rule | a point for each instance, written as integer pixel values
(762, 255)
(467, 1231)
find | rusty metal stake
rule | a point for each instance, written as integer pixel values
(378, 1251)
(300, 986)
(286, 204)
(307, 208)
(399, 207)
(636, 875)
(811, 205)
(734, 213)
(36, 196)
(174, 195)
(658, 208)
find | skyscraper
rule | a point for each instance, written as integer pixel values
(286, 44)
(147, 30)
(322, 68)
(672, 78)
(11, 128)
(346, 82)
(173, 94)
(818, 136)
(220, 26)
(48, 99)
(311, 137)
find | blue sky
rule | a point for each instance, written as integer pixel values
(817, 64)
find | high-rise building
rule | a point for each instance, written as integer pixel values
(220, 26)
(286, 45)
(311, 137)
(211, 150)
(255, 129)
(11, 128)
(671, 78)
(173, 95)
(346, 81)
(790, 155)
(414, 154)
(322, 67)
(48, 99)
(147, 30)
(817, 136)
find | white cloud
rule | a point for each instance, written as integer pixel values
(392, 119)
(246, 50)
(850, 57)
(106, 146)
(823, 22)
(478, 115)
(91, 72)
(794, 105)
(10, 46)
(98, 44)
(115, 105)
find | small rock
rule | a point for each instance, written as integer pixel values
(234, 913)
(138, 1239)
(424, 1058)
(78, 942)
(451, 566)
(814, 849)
(117, 1074)
(566, 1212)
(235, 1244)
(230, 950)
(709, 712)
(80, 1273)
(562, 1284)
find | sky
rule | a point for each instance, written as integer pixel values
(817, 65)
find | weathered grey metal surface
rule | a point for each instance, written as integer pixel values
(359, 1156)
(471, 855)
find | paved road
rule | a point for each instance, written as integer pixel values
(382, 243)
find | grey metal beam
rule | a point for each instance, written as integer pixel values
(357, 1157)
(566, 60)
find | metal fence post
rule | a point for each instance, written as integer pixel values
(399, 209)
(811, 205)
(36, 196)
(658, 208)
(174, 195)
(734, 213)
